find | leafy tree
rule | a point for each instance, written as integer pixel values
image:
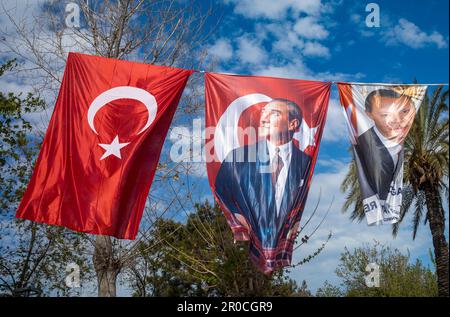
(18, 148)
(329, 290)
(200, 258)
(426, 178)
(161, 32)
(398, 277)
(33, 257)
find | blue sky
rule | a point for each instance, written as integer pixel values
(331, 37)
(328, 41)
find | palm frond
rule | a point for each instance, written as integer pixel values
(418, 211)
(426, 162)
(408, 197)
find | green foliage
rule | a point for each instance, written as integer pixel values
(35, 256)
(310, 257)
(200, 258)
(426, 162)
(32, 256)
(18, 149)
(427, 158)
(329, 290)
(398, 277)
(425, 177)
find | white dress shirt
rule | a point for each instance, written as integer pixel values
(393, 147)
(285, 154)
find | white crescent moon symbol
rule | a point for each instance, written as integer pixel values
(225, 136)
(124, 92)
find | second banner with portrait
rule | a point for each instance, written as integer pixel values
(262, 141)
(379, 118)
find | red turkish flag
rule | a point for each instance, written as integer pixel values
(102, 146)
(262, 141)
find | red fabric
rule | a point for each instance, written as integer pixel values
(221, 90)
(346, 99)
(223, 93)
(71, 185)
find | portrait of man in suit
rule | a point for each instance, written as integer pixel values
(262, 183)
(379, 150)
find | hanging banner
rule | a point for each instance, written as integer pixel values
(262, 140)
(102, 146)
(379, 118)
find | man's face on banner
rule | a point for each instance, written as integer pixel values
(274, 123)
(393, 117)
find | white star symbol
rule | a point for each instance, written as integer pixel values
(113, 148)
(306, 136)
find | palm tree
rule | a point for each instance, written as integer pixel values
(426, 179)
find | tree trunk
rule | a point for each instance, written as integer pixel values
(106, 280)
(106, 267)
(436, 221)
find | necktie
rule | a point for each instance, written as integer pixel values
(277, 166)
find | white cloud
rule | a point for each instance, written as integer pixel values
(335, 127)
(316, 49)
(355, 18)
(275, 9)
(288, 44)
(8, 84)
(298, 69)
(20, 9)
(250, 51)
(286, 39)
(332, 164)
(279, 48)
(277, 29)
(295, 69)
(309, 27)
(366, 33)
(221, 49)
(409, 34)
(28, 37)
(339, 76)
(325, 186)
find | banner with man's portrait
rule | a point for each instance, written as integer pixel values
(262, 141)
(379, 118)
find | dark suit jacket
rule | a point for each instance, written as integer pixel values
(243, 189)
(376, 169)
